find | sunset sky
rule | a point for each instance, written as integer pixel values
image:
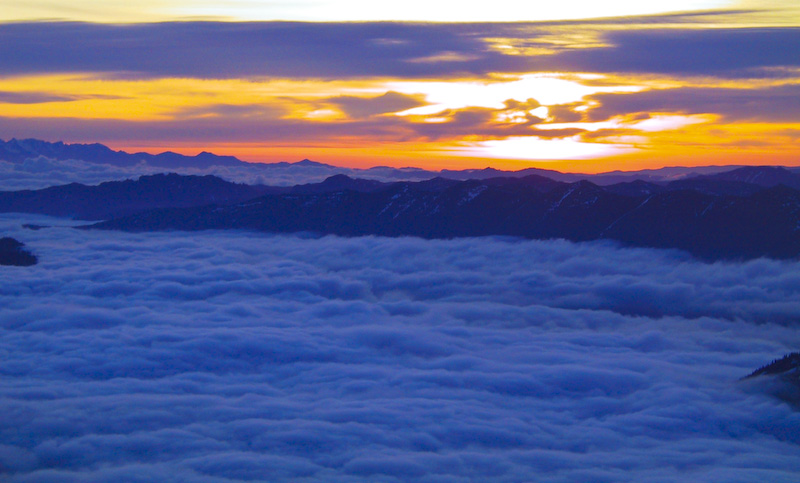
(570, 85)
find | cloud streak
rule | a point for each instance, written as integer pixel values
(724, 52)
(770, 104)
(241, 356)
(360, 107)
(232, 50)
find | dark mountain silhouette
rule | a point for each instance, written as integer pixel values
(713, 186)
(661, 175)
(712, 212)
(339, 182)
(17, 151)
(783, 378)
(789, 362)
(702, 184)
(120, 198)
(766, 176)
(308, 162)
(715, 226)
(712, 219)
(636, 188)
(12, 252)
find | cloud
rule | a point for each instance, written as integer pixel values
(374, 54)
(232, 111)
(222, 126)
(360, 107)
(232, 50)
(722, 52)
(9, 97)
(241, 356)
(514, 119)
(265, 124)
(223, 50)
(768, 104)
(565, 113)
(30, 98)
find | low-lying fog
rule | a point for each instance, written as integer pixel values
(235, 356)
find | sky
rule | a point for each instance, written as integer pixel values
(229, 356)
(571, 85)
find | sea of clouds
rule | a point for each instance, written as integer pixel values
(234, 356)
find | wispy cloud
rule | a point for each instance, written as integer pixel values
(721, 52)
(360, 107)
(771, 104)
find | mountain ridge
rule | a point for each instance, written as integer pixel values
(708, 224)
(119, 198)
(17, 151)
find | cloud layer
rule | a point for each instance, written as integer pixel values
(219, 50)
(773, 104)
(240, 357)
(230, 50)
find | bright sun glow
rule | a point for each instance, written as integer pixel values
(546, 89)
(544, 149)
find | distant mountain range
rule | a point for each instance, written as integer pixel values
(18, 151)
(745, 212)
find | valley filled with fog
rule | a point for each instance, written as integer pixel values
(237, 356)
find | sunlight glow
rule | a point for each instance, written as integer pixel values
(545, 89)
(658, 123)
(246, 118)
(532, 148)
(655, 123)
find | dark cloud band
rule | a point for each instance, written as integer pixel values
(735, 52)
(359, 50)
(231, 50)
(769, 104)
